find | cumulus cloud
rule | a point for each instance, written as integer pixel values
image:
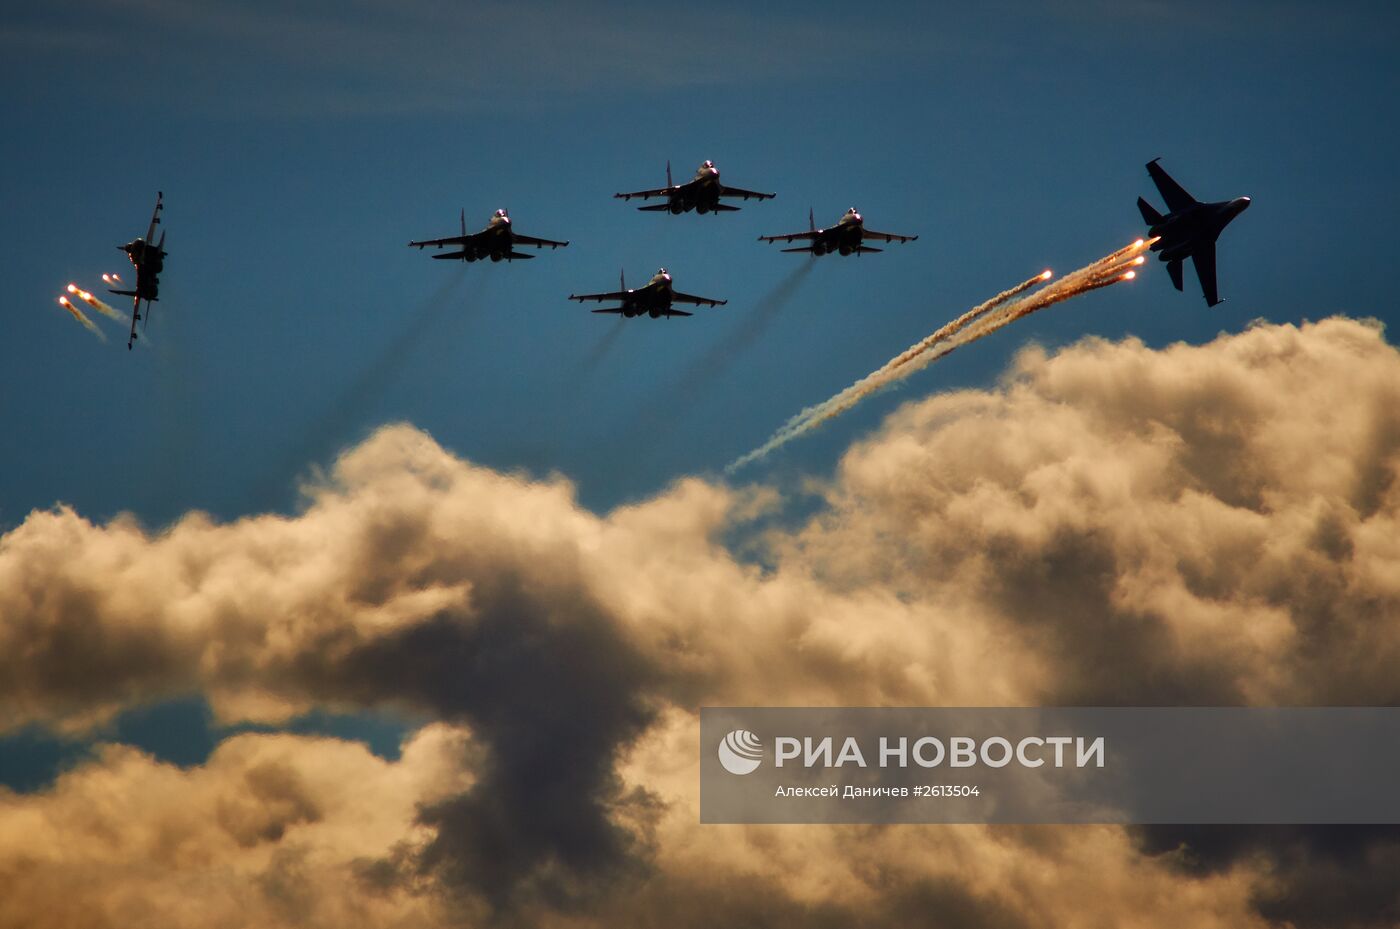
(1213, 524)
(1112, 524)
(272, 830)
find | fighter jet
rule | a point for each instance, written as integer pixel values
(1189, 229)
(701, 193)
(847, 236)
(149, 261)
(654, 298)
(498, 240)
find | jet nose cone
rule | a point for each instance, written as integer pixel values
(1242, 203)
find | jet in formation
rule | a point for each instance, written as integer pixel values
(149, 261)
(848, 236)
(497, 241)
(653, 298)
(1189, 229)
(701, 193)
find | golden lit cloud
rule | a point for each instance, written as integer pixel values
(1112, 524)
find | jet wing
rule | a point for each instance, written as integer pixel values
(887, 236)
(537, 243)
(1203, 257)
(745, 194)
(646, 194)
(155, 218)
(450, 240)
(135, 315)
(697, 301)
(615, 295)
(1176, 196)
(792, 236)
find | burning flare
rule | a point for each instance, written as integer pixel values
(110, 312)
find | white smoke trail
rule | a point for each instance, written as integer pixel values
(874, 380)
(980, 321)
(81, 317)
(1063, 290)
(957, 325)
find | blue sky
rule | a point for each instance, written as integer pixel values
(298, 152)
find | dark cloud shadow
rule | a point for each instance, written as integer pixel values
(552, 692)
(1325, 876)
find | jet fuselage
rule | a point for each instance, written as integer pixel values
(1179, 233)
(652, 297)
(149, 261)
(844, 238)
(495, 242)
(700, 195)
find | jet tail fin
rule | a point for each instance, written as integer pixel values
(669, 182)
(514, 255)
(811, 220)
(1149, 212)
(1174, 272)
(867, 248)
(464, 221)
(122, 293)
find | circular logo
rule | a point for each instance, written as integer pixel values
(740, 752)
